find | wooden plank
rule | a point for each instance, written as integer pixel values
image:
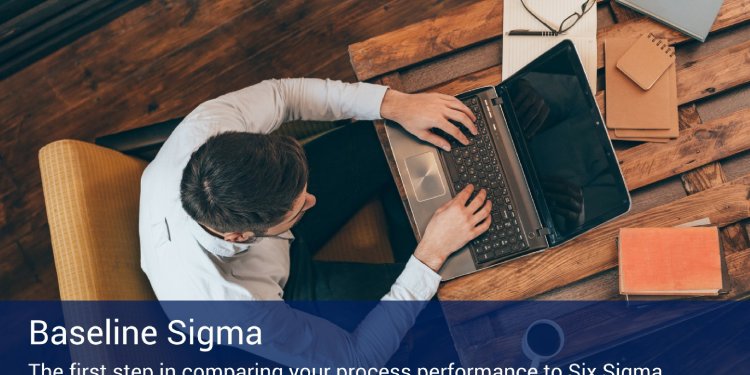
(695, 147)
(600, 287)
(605, 285)
(738, 267)
(486, 77)
(459, 64)
(657, 194)
(717, 72)
(594, 251)
(689, 117)
(703, 178)
(22, 51)
(733, 237)
(622, 13)
(422, 41)
(430, 38)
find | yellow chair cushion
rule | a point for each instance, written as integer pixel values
(92, 195)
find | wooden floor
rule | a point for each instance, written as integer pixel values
(155, 63)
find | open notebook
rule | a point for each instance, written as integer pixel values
(520, 50)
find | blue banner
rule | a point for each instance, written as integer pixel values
(376, 338)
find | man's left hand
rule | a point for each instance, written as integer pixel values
(420, 113)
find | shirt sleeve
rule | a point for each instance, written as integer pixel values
(293, 337)
(263, 107)
(417, 282)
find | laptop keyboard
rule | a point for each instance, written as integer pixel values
(478, 164)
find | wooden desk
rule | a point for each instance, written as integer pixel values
(683, 180)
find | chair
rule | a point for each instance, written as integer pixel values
(92, 193)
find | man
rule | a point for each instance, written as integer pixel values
(219, 201)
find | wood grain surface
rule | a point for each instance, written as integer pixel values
(398, 49)
(604, 285)
(585, 268)
(706, 75)
(419, 42)
(697, 146)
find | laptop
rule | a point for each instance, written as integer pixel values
(542, 153)
(692, 17)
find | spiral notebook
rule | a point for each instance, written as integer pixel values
(641, 89)
(646, 60)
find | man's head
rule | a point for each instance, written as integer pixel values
(240, 185)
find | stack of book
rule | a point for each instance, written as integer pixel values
(641, 89)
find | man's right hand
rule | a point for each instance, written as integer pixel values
(453, 225)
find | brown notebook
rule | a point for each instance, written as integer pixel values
(648, 48)
(672, 132)
(628, 106)
(613, 136)
(670, 261)
(646, 60)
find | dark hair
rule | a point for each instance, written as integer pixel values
(237, 181)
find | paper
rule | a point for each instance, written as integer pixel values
(521, 50)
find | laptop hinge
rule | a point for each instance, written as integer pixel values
(543, 231)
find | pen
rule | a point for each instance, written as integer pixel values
(532, 33)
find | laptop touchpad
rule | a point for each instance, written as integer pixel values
(424, 175)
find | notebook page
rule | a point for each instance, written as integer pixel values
(520, 50)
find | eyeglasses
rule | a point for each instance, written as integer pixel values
(567, 23)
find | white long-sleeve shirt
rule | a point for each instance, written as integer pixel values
(184, 262)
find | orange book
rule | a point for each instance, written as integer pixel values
(670, 261)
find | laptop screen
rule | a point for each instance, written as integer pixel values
(563, 145)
